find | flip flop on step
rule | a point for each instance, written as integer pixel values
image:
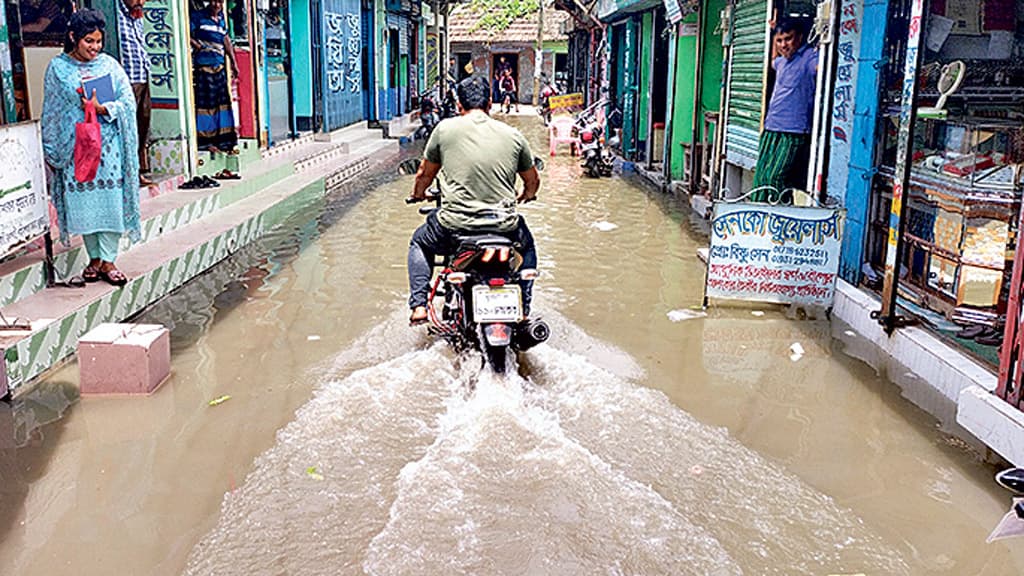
(195, 182)
(226, 174)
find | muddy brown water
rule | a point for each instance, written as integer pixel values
(630, 444)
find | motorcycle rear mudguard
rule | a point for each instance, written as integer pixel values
(498, 334)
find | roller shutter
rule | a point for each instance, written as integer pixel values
(747, 66)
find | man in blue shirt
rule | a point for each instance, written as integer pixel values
(135, 62)
(784, 150)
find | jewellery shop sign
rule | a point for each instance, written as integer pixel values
(782, 254)
(24, 208)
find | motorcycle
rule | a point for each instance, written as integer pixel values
(482, 306)
(1012, 523)
(597, 160)
(544, 104)
(429, 116)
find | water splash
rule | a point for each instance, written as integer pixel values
(425, 465)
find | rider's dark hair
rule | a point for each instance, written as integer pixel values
(474, 93)
(790, 25)
(81, 24)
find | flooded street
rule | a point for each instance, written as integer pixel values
(643, 438)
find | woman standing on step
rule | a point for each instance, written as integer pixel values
(103, 208)
(211, 52)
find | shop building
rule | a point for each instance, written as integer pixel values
(485, 50)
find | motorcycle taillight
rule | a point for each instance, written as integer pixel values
(587, 137)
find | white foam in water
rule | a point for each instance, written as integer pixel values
(604, 226)
(581, 471)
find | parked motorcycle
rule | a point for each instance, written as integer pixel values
(548, 90)
(430, 115)
(597, 160)
(482, 300)
(1012, 523)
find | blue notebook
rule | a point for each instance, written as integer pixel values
(103, 86)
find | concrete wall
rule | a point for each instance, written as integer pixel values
(171, 149)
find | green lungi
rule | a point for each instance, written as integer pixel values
(782, 159)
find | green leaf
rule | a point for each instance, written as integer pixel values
(496, 16)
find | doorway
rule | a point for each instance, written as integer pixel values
(499, 62)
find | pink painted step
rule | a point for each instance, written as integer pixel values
(124, 359)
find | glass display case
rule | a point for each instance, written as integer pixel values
(964, 195)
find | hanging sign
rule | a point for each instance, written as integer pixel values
(782, 254)
(672, 11)
(565, 101)
(24, 212)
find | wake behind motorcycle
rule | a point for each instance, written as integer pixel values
(482, 300)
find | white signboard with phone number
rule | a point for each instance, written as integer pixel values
(24, 212)
(783, 254)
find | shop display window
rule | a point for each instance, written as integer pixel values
(967, 163)
(44, 22)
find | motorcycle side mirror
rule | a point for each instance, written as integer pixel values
(538, 163)
(409, 166)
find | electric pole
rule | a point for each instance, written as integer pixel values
(538, 61)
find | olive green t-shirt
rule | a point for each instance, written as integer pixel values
(480, 158)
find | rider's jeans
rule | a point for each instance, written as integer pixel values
(431, 239)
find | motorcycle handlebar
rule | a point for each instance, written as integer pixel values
(430, 197)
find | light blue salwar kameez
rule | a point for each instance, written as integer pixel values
(105, 208)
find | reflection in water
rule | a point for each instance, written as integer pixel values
(574, 471)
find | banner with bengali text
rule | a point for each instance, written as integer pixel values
(565, 101)
(24, 208)
(781, 254)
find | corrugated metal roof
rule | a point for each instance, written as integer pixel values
(463, 22)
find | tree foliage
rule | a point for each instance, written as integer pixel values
(496, 16)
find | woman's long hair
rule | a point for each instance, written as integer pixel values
(81, 24)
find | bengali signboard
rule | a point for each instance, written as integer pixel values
(565, 101)
(783, 254)
(672, 11)
(24, 212)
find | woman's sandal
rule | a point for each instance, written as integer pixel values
(91, 274)
(114, 277)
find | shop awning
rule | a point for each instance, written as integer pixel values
(608, 10)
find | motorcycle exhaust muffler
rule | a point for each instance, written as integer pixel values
(529, 334)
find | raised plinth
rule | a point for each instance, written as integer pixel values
(123, 359)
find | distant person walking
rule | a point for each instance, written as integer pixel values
(508, 90)
(784, 150)
(211, 54)
(104, 208)
(136, 65)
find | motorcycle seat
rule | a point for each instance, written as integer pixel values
(481, 241)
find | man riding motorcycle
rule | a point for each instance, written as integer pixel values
(478, 158)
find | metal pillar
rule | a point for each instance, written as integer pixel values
(888, 316)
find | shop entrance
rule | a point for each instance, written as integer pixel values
(505, 61)
(36, 30)
(659, 93)
(277, 66)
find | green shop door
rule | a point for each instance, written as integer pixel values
(630, 54)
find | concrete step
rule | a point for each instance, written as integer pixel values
(172, 208)
(59, 316)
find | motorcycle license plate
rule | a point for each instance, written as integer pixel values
(497, 304)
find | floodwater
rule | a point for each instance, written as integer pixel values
(644, 438)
